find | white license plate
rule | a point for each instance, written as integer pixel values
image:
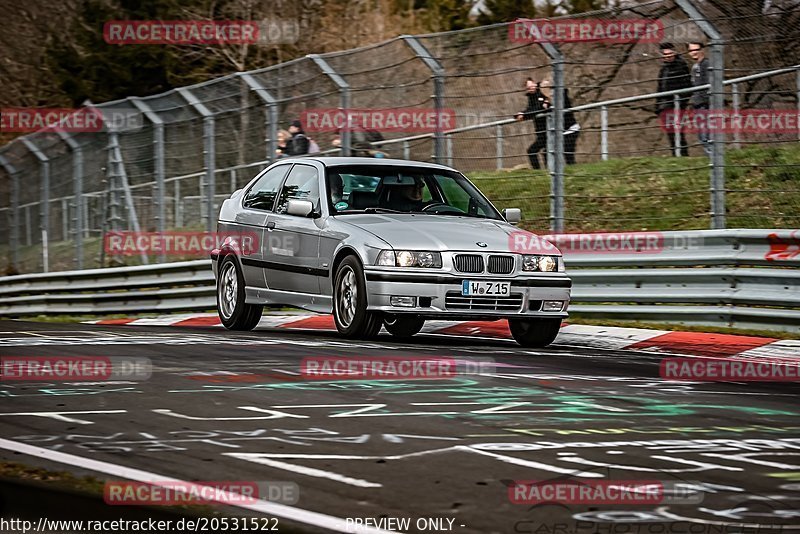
(474, 288)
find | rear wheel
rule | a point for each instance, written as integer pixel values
(534, 333)
(403, 327)
(231, 307)
(350, 302)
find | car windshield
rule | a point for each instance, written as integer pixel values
(396, 189)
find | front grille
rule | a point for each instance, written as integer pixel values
(456, 301)
(501, 264)
(468, 263)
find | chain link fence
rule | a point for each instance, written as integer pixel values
(179, 154)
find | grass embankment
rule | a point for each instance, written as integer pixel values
(657, 193)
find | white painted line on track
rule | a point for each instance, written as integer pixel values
(299, 515)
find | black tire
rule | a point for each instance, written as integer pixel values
(232, 309)
(350, 302)
(534, 333)
(403, 327)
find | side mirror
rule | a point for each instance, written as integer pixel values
(512, 215)
(301, 208)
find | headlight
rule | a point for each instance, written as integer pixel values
(409, 258)
(428, 259)
(545, 264)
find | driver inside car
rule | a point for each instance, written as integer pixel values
(407, 197)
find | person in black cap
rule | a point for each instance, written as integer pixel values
(298, 145)
(674, 74)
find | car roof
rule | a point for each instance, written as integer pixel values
(339, 161)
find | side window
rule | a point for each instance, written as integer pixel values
(262, 195)
(302, 184)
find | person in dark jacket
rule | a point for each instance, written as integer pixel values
(298, 145)
(674, 74)
(700, 98)
(538, 103)
(572, 129)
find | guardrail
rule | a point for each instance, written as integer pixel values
(735, 278)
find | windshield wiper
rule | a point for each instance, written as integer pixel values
(382, 210)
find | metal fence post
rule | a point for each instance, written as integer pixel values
(449, 149)
(717, 97)
(44, 202)
(64, 219)
(178, 205)
(499, 145)
(716, 74)
(159, 157)
(28, 226)
(797, 84)
(557, 175)
(13, 240)
(551, 152)
(604, 133)
(677, 132)
(735, 98)
(77, 192)
(123, 186)
(438, 90)
(406, 150)
(112, 206)
(344, 91)
(271, 116)
(209, 153)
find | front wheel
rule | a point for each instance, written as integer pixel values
(534, 333)
(231, 307)
(403, 327)
(350, 302)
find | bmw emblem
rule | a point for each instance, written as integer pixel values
(481, 244)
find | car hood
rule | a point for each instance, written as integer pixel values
(437, 232)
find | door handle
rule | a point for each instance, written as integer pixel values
(270, 226)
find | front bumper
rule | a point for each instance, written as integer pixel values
(438, 295)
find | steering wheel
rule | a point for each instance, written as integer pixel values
(447, 208)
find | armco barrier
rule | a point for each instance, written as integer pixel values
(737, 278)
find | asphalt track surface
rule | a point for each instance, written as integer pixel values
(231, 406)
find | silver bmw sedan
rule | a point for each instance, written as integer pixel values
(383, 243)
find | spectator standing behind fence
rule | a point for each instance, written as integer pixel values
(537, 105)
(299, 144)
(361, 142)
(572, 129)
(283, 137)
(674, 74)
(700, 98)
